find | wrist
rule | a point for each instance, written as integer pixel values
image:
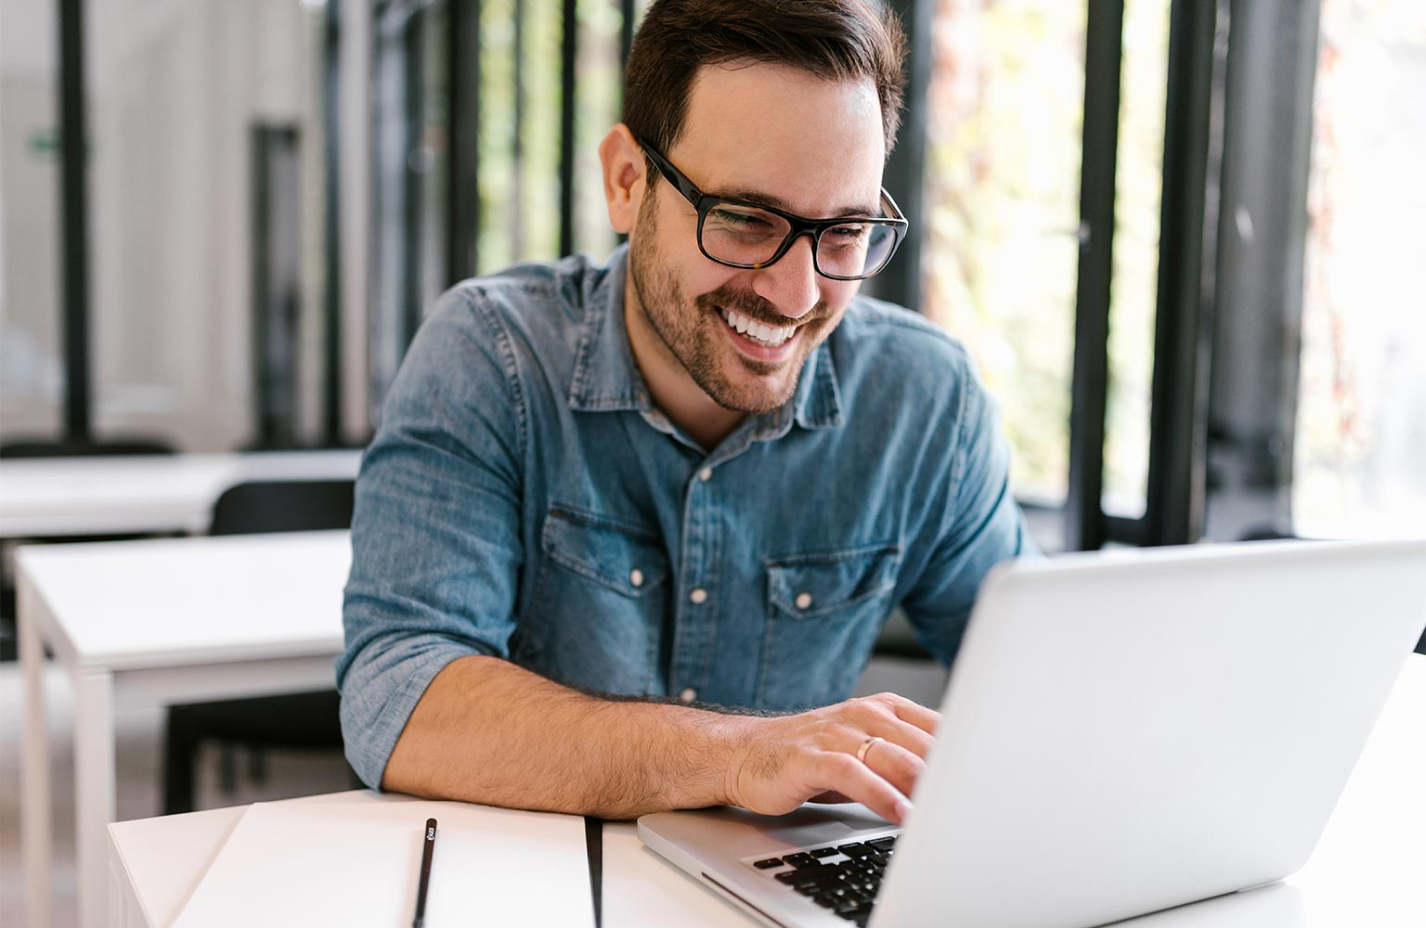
(716, 753)
(736, 736)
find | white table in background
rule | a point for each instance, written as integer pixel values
(161, 621)
(46, 497)
(1366, 870)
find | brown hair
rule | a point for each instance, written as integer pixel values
(839, 40)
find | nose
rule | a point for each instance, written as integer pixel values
(792, 284)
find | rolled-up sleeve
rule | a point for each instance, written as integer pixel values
(436, 547)
(980, 528)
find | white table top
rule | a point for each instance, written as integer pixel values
(42, 497)
(184, 601)
(1366, 871)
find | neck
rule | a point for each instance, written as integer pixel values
(676, 394)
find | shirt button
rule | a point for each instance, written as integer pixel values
(698, 597)
(636, 577)
(803, 600)
(689, 694)
(705, 474)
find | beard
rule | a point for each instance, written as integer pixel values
(688, 328)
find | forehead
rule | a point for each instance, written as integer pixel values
(816, 145)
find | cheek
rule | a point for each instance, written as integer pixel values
(694, 274)
(838, 295)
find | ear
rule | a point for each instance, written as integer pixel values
(623, 162)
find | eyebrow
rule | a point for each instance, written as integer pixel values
(757, 198)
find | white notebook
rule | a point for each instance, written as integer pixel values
(354, 858)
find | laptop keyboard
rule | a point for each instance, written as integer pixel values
(843, 878)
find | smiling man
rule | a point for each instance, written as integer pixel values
(627, 533)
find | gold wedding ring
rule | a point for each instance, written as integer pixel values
(866, 746)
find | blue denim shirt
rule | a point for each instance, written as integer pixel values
(524, 498)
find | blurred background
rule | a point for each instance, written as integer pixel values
(1181, 237)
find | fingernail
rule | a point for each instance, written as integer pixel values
(903, 809)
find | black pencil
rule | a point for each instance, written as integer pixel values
(427, 848)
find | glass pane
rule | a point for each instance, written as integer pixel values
(543, 26)
(1360, 455)
(597, 89)
(31, 347)
(179, 96)
(1137, 186)
(1002, 192)
(499, 226)
(519, 131)
(411, 169)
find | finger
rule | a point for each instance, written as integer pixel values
(845, 774)
(921, 717)
(892, 729)
(895, 764)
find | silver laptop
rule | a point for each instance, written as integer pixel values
(1122, 733)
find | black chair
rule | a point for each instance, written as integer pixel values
(50, 448)
(302, 721)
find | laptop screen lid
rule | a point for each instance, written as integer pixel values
(1125, 732)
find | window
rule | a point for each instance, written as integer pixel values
(1360, 461)
(1002, 208)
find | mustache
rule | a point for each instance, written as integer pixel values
(755, 307)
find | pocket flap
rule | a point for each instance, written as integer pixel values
(624, 559)
(818, 583)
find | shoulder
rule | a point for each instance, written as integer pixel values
(882, 346)
(498, 334)
(524, 319)
(548, 294)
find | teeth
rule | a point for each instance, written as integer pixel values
(758, 332)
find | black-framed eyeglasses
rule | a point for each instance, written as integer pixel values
(746, 235)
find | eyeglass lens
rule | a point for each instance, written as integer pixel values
(747, 235)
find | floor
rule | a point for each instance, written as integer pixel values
(137, 763)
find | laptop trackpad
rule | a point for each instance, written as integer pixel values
(739, 833)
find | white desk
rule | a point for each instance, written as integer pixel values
(45, 497)
(171, 620)
(1366, 871)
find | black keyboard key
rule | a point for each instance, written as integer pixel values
(769, 863)
(813, 876)
(787, 876)
(824, 852)
(850, 849)
(882, 844)
(800, 860)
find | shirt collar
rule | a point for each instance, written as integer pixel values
(606, 379)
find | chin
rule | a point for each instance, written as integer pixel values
(750, 399)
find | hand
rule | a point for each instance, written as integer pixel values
(783, 762)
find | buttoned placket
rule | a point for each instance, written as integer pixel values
(700, 604)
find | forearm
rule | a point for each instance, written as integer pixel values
(488, 731)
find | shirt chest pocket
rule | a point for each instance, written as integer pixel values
(599, 600)
(824, 610)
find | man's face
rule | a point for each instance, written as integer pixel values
(776, 136)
